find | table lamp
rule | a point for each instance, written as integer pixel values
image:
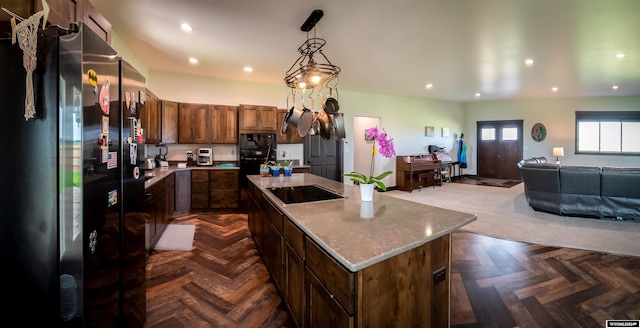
(558, 152)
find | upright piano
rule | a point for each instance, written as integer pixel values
(409, 167)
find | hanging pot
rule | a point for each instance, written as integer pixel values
(315, 129)
(338, 125)
(324, 125)
(301, 119)
(330, 104)
(285, 122)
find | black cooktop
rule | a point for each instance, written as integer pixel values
(303, 194)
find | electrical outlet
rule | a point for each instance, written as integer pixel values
(439, 275)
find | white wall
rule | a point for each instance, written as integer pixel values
(558, 116)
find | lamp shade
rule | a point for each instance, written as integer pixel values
(558, 151)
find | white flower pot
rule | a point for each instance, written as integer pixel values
(366, 192)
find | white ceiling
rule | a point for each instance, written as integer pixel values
(397, 47)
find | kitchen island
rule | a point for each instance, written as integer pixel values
(345, 263)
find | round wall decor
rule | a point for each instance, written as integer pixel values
(538, 132)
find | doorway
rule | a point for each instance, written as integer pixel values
(324, 157)
(499, 149)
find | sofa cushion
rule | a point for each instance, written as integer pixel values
(620, 192)
(580, 189)
(542, 186)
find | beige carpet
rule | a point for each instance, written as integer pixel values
(504, 213)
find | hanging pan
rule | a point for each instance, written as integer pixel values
(330, 104)
(338, 125)
(285, 120)
(301, 118)
(324, 125)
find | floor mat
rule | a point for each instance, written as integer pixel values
(177, 237)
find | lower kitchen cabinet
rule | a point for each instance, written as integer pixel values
(224, 188)
(170, 196)
(318, 291)
(183, 192)
(324, 310)
(293, 289)
(214, 189)
(155, 225)
(199, 189)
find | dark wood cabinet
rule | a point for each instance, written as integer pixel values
(323, 309)
(93, 19)
(150, 117)
(224, 122)
(291, 136)
(199, 189)
(169, 196)
(318, 291)
(183, 192)
(256, 216)
(214, 189)
(210, 124)
(193, 123)
(169, 121)
(61, 13)
(293, 289)
(258, 119)
(224, 188)
(156, 213)
(274, 243)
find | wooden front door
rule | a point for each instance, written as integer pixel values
(323, 156)
(499, 149)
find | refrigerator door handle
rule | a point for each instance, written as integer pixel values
(93, 240)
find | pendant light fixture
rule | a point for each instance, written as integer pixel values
(312, 68)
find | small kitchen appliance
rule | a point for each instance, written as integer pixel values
(205, 157)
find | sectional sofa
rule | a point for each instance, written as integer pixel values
(584, 191)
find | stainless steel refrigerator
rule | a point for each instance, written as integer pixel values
(72, 226)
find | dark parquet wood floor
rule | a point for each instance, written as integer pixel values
(494, 283)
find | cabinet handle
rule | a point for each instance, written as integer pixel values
(93, 241)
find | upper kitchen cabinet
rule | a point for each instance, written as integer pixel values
(291, 136)
(61, 13)
(94, 19)
(224, 122)
(169, 118)
(258, 119)
(150, 117)
(193, 123)
(210, 124)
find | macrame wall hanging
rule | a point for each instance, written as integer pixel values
(27, 35)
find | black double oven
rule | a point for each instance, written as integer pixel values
(255, 149)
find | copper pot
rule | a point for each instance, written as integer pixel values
(325, 125)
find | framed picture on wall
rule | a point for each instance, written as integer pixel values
(429, 131)
(445, 132)
(366, 135)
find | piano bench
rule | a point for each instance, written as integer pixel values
(423, 179)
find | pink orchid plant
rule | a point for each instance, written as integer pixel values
(385, 143)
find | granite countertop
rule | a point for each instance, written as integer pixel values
(336, 225)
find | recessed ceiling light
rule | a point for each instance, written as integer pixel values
(429, 86)
(528, 62)
(615, 87)
(186, 27)
(193, 60)
(554, 89)
(248, 69)
(620, 55)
